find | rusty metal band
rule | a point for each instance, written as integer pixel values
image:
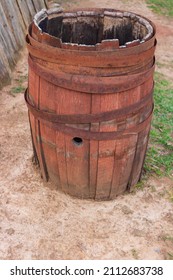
(91, 135)
(91, 84)
(99, 72)
(88, 118)
(86, 58)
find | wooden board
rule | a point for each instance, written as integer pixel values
(24, 11)
(74, 158)
(106, 149)
(15, 18)
(8, 42)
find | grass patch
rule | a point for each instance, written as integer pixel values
(167, 238)
(135, 254)
(159, 158)
(17, 89)
(170, 195)
(170, 256)
(163, 7)
(22, 79)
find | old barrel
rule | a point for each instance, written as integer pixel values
(90, 98)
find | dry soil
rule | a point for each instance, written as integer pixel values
(38, 222)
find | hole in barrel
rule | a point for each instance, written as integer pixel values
(92, 29)
(77, 141)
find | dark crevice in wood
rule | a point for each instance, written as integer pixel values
(34, 6)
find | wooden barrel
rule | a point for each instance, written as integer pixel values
(90, 98)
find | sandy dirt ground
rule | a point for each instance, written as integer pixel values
(38, 222)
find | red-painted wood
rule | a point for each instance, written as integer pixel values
(34, 89)
(72, 79)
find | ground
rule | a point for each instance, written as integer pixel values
(38, 222)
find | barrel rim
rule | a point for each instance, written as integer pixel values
(96, 11)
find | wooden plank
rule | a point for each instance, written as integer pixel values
(94, 147)
(31, 7)
(24, 11)
(41, 151)
(73, 156)
(5, 71)
(34, 89)
(61, 158)
(7, 40)
(124, 156)
(8, 55)
(106, 150)
(38, 4)
(15, 17)
(48, 135)
(142, 140)
(14, 20)
(124, 148)
(77, 159)
(139, 157)
(146, 87)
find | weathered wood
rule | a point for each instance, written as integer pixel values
(15, 17)
(7, 39)
(39, 4)
(106, 150)
(31, 7)
(94, 147)
(15, 21)
(24, 11)
(34, 81)
(92, 137)
(5, 71)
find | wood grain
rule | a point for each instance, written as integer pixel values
(15, 17)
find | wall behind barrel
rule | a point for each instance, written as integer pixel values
(15, 16)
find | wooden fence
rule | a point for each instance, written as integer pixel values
(15, 16)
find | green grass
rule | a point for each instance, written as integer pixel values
(167, 238)
(17, 89)
(170, 256)
(21, 79)
(163, 7)
(170, 195)
(135, 254)
(159, 157)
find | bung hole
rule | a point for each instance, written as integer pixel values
(77, 141)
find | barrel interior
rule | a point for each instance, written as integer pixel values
(90, 29)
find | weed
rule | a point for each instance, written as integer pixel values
(159, 157)
(17, 89)
(135, 254)
(22, 79)
(167, 238)
(163, 7)
(140, 185)
(170, 256)
(170, 195)
(152, 188)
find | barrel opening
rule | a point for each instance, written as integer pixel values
(77, 141)
(92, 28)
